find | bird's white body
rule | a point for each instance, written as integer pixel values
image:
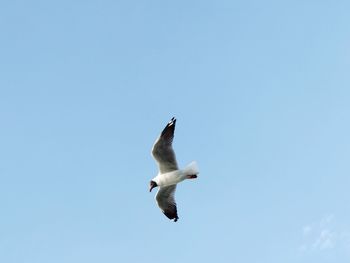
(176, 176)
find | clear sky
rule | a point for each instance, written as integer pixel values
(261, 92)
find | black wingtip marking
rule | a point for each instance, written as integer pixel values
(171, 213)
(170, 127)
(172, 121)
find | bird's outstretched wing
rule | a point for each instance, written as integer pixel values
(163, 151)
(166, 201)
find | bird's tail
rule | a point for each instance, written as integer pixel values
(191, 171)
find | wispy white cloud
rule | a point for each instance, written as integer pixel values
(327, 239)
(324, 235)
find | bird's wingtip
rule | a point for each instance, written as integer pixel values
(172, 121)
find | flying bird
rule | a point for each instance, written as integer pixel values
(169, 174)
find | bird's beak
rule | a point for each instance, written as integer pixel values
(151, 187)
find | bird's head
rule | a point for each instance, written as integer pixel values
(152, 184)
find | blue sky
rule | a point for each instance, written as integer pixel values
(261, 93)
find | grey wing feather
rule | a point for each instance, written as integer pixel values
(166, 201)
(163, 151)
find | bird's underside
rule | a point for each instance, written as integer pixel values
(164, 154)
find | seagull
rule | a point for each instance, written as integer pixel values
(169, 174)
